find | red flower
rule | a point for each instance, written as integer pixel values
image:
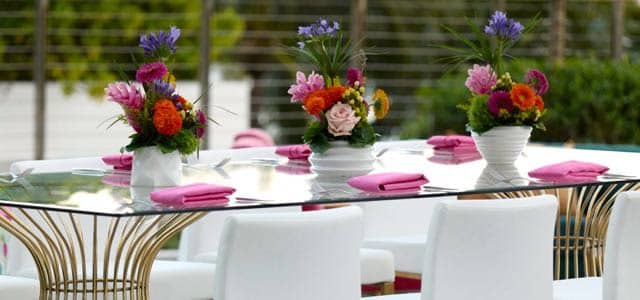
(523, 96)
(166, 119)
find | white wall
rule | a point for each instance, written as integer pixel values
(72, 120)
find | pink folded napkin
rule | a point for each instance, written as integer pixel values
(193, 193)
(392, 181)
(458, 150)
(119, 161)
(448, 141)
(295, 152)
(569, 171)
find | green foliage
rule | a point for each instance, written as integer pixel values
(362, 135)
(316, 137)
(184, 141)
(589, 101)
(480, 120)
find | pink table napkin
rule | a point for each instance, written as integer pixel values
(193, 194)
(294, 152)
(294, 169)
(449, 141)
(392, 181)
(458, 150)
(569, 171)
(119, 161)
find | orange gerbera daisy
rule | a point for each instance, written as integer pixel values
(380, 104)
(523, 96)
(166, 119)
(314, 103)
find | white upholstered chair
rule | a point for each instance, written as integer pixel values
(290, 256)
(489, 249)
(621, 275)
(18, 288)
(191, 277)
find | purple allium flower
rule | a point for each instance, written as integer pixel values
(161, 40)
(128, 95)
(151, 71)
(318, 29)
(202, 120)
(354, 75)
(499, 100)
(537, 80)
(163, 89)
(305, 86)
(502, 27)
(481, 79)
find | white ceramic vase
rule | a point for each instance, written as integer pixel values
(152, 168)
(502, 145)
(342, 161)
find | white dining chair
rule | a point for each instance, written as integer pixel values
(621, 273)
(290, 256)
(489, 249)
(193, 277)
(18, 288)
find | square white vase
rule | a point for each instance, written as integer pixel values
(152, 168)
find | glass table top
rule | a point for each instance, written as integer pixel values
(267, 182)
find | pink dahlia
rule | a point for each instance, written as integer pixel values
(481, 79)
(128, 95)
(537, 80)
(202, 121)
(354, 75)
(305, 86)
(499, 101)
(151, 71)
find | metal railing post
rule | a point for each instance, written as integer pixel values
(617, 29)
(358, 23)
(558, 29)
(205, 62)
(40, 76)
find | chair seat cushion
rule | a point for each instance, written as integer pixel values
(18, 288)
(589, 288)
(376, 265)
(408, 251)
(412, 296)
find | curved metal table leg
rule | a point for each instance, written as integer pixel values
(91, 257)
(581, 226)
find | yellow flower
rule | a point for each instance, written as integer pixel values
(380, 104)
(170, 78)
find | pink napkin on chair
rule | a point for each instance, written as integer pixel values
(569, 171)
(294, 152)
(193, 194)
(392, 181)
(450, 141)
(122, 161)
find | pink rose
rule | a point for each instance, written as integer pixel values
(341, 119)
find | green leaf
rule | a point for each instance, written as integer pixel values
(362, 135)
(316, 137)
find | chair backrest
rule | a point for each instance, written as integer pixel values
(57, 165)
(290, 256)
(622, 252)
(490, 249)
(201, 239)
(399, 217)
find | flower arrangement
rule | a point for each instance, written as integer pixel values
(496, 99)
(339, 109)
(158, 115)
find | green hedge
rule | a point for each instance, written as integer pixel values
(589, 101)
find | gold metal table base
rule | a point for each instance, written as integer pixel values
(581, 226)
(89, 257)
